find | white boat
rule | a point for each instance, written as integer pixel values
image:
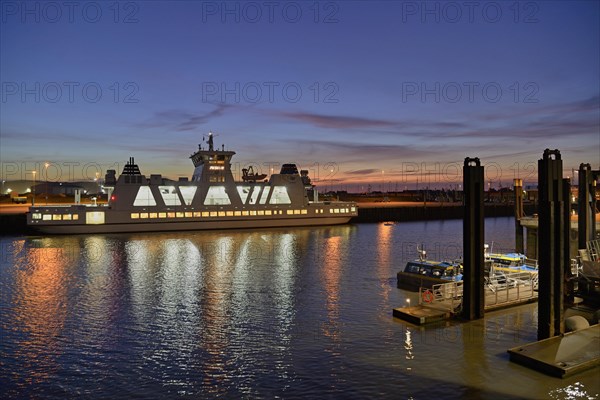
(212, 199)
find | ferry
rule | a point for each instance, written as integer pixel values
(212, 199)
(426, 273)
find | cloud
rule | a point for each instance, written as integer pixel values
(336, 121)
(181, 120)
(363, 171)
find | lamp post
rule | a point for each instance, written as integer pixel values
(46, 165)
(33, 190)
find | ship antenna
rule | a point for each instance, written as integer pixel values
(422, 253)
(210, 141)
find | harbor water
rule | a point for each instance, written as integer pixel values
(290, 313)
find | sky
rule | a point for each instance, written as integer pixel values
(390, 95)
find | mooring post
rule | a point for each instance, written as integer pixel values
(586, 223)
(473, 240)
(553, 244)
(519, 240)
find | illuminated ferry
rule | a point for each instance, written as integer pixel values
(212, 199)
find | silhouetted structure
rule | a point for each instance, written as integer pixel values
(587, 205)
(553, 244)
(519, 241)
(473, 240)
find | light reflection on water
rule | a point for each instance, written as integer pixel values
(290, 313)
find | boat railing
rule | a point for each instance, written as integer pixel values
(531, 262)
(447, 296)
(504, 287)
(593, 250)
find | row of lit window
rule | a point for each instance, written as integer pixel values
(55, 217)
(193, 214)
(340, 210)
(205, 214)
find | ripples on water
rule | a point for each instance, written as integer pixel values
(261, 314)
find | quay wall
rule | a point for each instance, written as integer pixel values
(427, 213)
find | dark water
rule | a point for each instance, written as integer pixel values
(251, 314)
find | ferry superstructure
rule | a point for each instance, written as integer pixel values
(212, 199)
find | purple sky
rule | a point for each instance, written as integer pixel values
(345, 89)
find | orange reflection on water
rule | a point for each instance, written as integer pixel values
(384, 248)
(332, 274)
(40, 310)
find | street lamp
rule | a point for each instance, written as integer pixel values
(46, 165)
(33, 190)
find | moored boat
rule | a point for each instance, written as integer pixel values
(426, 273)
(509, 262)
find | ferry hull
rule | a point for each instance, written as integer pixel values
(189, 225)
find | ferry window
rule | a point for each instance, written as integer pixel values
(56, 217)
(268, 212)
(352, 209)
(135, 215)
(75, 216)
(213, 213)
(196, 213)
(289, 212)
(144, 197)
(221, 213)
(237, 213)
(153, 215)
(162, 215)
(303, 212)
(243, 191)
(188, 192)
(280, 196)
(143, 215)
(245, 213)
(254, 195)
(67, 217)
(261, 212)
(179, 215)
(216, 196)
(297, 212)
(94, 217)
(171, 215)
(188, 214)
(205, 214)
(36, 216)
(169, 195)
(252, 212)
(229, 213)
(265, 194)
